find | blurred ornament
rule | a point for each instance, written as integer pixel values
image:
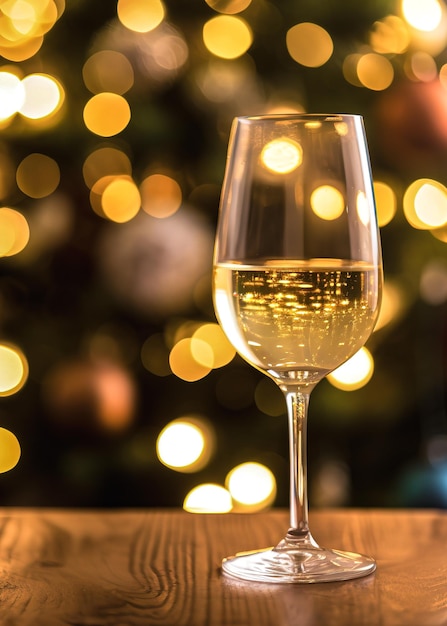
(90, 398)
(153, 265)
(157, 56)
(411, 126)
(232, 85)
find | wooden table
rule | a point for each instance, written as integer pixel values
(123, 568)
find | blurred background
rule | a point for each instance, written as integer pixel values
(117, 387)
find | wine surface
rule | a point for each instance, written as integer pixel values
(304, 316)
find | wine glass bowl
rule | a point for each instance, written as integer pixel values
(297, 283)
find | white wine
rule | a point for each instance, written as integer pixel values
(297, 316)
(297, 186)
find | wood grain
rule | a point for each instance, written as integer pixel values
(125, 568)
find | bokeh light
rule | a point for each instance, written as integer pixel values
(108, 71)
(252, 487)
(425, 204)
(282, 156)
(227, 36)
(22, 50)
(21, 16)
(327, 202)
(14, 232)
(341, 128)
(121, 200)
(202, 352)
(185, 444)
(309, 44)
(12, 94)
(430, 204)
(355, 373)
(141, 16)
(107, 114)
(213, 336)
(24, 25)
(44, 96)
(38, 175)
(13, 369)
(390, 35)
(183, 359)
(375, 71)
(161, 195)
(9, 450)
(423, 15)
(208, 498)
(179, 445)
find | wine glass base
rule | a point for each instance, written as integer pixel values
(309, 565)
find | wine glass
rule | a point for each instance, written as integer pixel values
(296, 287)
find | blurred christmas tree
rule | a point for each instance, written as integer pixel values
(114, 123)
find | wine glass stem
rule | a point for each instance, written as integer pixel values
(297, 406)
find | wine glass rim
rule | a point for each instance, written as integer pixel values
(306, 117)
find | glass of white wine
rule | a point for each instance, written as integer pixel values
(297, 284)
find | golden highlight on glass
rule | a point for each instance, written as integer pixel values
(297, 284)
